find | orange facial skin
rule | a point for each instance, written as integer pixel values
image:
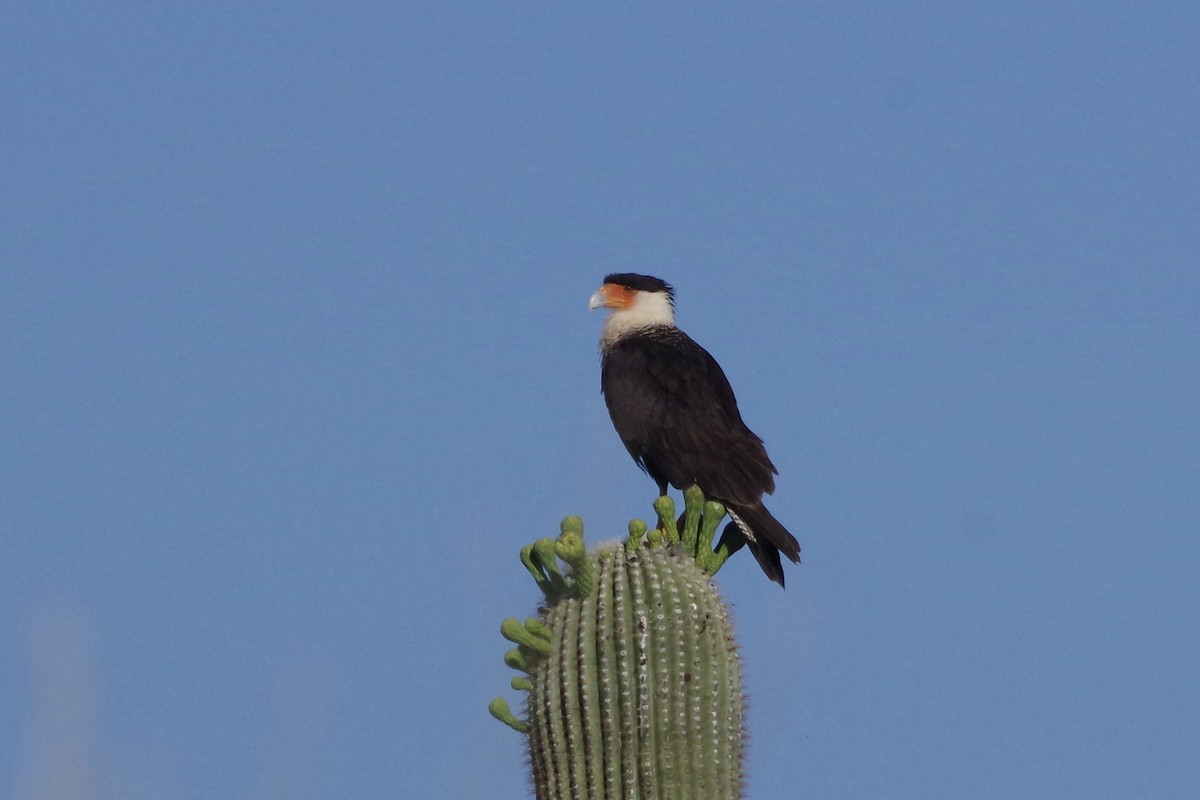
(617, 296)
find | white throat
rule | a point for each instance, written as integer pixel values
(648, 309)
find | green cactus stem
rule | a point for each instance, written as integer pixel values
(632, 673)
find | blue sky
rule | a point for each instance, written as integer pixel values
(296, 355)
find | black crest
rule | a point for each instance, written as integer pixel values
(641, 283)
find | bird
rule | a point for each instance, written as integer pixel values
(675, 412)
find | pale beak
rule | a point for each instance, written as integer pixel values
(598, 300)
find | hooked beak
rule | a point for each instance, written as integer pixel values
(598, 300)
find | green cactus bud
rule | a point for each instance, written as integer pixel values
(637, 532)
(665, 507)
(500, 710)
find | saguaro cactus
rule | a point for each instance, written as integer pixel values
(631, 667)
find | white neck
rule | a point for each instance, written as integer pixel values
(649, 308)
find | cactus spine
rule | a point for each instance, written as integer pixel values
(633, 676)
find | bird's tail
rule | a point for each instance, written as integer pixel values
(767, 538)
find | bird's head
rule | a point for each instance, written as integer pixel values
(636, 301)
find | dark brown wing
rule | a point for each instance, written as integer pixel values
(675, 411)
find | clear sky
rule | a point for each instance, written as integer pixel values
(295, 355)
